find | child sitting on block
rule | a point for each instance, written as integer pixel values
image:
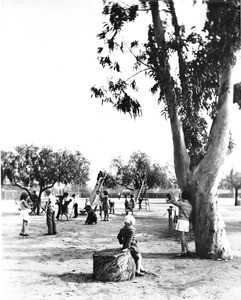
(126, 237)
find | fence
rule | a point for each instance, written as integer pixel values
(8, 194)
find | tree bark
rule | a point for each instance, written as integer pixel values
(210, 234)
(113, 265)
(181, 157)
(202, 182)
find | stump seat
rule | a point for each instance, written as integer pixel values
(113, 265)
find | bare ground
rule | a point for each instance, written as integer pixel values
(61, 266)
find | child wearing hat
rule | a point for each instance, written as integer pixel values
(126, 237)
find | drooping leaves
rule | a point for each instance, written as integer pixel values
(200, 58)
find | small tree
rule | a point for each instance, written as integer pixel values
(138, 173)
(232, 181)
(30, 167)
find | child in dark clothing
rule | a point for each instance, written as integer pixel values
(91, 216)
(126, 237)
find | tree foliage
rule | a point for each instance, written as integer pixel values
(232, 181)
(138, 168)
(30, 166)
(200, 56)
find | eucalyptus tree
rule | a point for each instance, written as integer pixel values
(192, 78)
(29, 167)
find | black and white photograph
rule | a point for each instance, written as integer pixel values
(120, 149)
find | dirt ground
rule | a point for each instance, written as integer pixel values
(61, 266)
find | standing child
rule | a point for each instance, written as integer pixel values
(50, 213)
(185, 210)
(98, 202)
(105, 206)
(112, 205)
(126, 237)
(24, 213)
(75, 206)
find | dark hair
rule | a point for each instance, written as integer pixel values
(168, 196)
(88, 208)
(105, 193)
(73, 195)
(24, 196)
(186, 195)
(48, 192)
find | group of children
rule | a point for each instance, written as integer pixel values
(126, 235)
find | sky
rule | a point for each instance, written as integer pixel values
(48, 65)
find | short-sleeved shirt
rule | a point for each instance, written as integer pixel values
(185, 210)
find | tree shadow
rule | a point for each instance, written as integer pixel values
(53, 253)
(72, 277)
(168, 256)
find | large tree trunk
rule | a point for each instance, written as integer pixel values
(202, 182)
(210, 234)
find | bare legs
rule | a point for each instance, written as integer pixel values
(106, 215)
(139, 269)
(23, 231)
(183, 240)
(138, 262)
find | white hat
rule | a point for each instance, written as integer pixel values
(129, 220)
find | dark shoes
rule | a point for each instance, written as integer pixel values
(24, 234)
(139, 274)
(50, 233)
(183, 254)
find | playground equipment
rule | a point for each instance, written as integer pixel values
(99, 185)
(144, 202)
(143, 199)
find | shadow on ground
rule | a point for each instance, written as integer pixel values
(73, 277)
